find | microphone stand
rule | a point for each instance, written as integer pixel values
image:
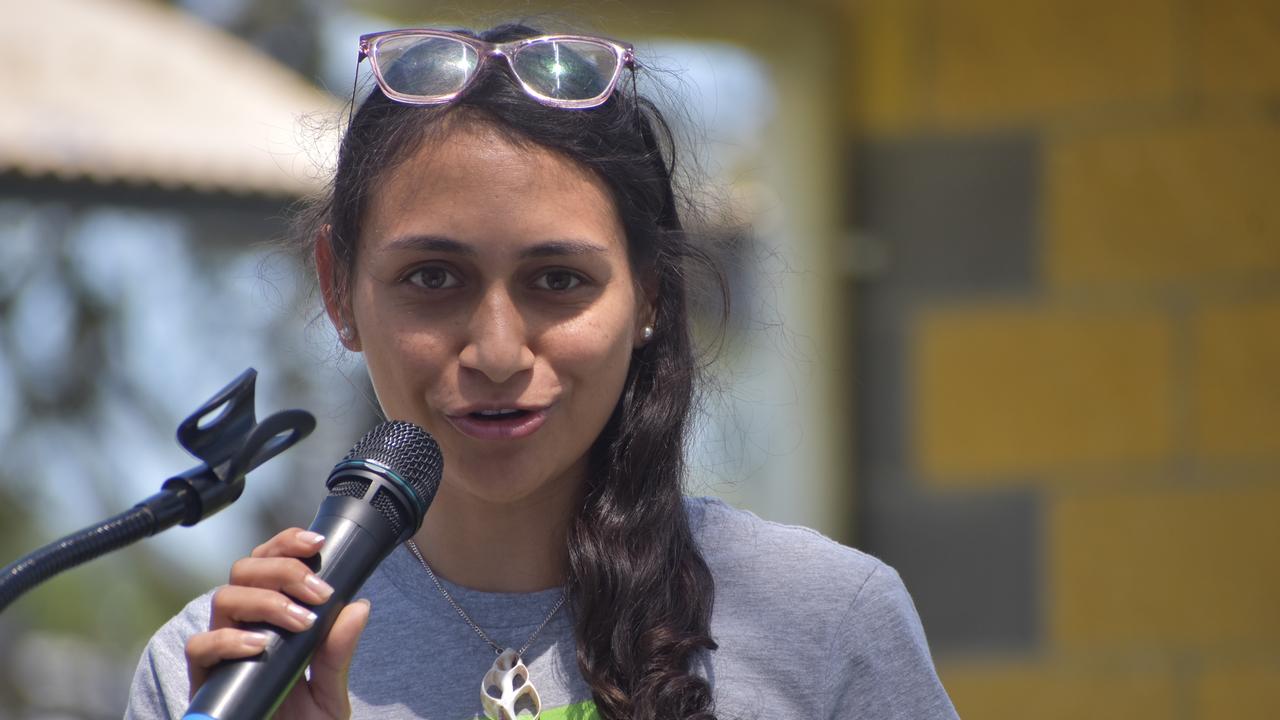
(229, 441)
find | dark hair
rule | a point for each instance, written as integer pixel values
(639, 588)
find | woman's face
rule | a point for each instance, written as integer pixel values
(496, 307)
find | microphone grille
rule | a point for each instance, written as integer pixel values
(408, 450)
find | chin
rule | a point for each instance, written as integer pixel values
(506, 482)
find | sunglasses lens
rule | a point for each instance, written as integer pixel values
(424, 66)
(567, 69)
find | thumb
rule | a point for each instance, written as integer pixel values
(332, 660)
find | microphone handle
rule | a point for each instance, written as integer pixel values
(357, 538)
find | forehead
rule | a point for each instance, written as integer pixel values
(473, 183)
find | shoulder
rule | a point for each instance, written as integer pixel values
(789, 584)
(740, 546)
(159, 688)
(825, 622)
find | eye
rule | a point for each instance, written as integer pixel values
(558, 280)
(434, 277)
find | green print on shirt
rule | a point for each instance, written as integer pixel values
(585, 710)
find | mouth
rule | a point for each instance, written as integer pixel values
(498, 415)
(499, 423)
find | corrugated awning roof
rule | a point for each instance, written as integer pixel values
(127, 91)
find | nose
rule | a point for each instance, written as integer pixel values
(496, 344)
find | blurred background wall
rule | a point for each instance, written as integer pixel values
(1008, 318)
(1068, 345)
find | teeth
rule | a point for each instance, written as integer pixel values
(496, 412)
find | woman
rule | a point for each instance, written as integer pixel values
(502, 244)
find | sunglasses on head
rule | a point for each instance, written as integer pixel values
(430, 67)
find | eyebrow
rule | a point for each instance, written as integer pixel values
(433, 243)
(550, 248)
(556, 248)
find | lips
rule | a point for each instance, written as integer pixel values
(499, 423)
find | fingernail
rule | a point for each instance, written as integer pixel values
(255, 639)
(310, 538)
(315, 583)
(368, 608)
(301, 613)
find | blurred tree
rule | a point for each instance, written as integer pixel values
(116, 321)
(287, 30)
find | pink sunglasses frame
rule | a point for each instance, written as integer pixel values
(623, 52)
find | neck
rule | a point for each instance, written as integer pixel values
(510, 547)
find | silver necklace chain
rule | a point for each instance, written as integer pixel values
(413, 547)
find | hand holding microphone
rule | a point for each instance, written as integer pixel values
(262, 588)
(286, 604)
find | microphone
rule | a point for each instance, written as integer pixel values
(378, 496)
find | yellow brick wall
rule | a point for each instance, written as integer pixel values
(1137, 387)
(1190, 202)
(1167, 569)
(1235, 54)
(1044, 389)
(999, 62)
(1237, 378)
(1063, 690)
(1239, 691)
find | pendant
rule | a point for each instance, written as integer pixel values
(506, 693)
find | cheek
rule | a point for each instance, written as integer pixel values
(404, 367)
(593, 357)
(395, 338)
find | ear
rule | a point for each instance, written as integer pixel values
(335, 292)
(646, 307)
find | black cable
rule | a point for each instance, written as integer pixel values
(74, 549)
(222, 433)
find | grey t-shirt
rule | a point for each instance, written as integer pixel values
(806, 628)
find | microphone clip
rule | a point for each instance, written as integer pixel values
(224, 434)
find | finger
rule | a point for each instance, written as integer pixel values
(282, 574)
(235, 604)
(206, 649)
(294, 542)
(332, 660)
